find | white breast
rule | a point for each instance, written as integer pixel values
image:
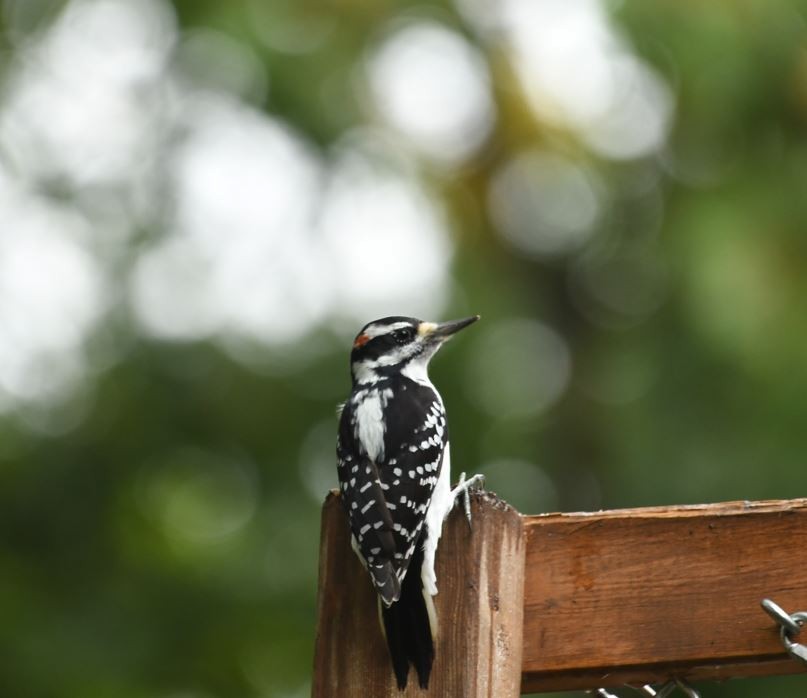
(418, 371)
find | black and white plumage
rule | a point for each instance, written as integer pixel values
(394, 475)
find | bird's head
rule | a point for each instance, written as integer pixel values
(398, 344)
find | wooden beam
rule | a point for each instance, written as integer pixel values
(641, 595)
(480, 575)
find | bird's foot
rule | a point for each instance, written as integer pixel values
(463, 487)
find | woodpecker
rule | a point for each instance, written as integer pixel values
(393, 465)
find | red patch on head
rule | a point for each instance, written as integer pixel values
(361, 340)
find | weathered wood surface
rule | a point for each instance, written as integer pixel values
(639, 595)
(479, 605)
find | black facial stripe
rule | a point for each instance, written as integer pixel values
(386, 342)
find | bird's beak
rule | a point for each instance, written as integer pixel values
(434, 332)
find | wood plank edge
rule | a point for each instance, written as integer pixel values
(771, 665)
(732, 508)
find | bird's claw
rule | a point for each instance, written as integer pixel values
(463, 487)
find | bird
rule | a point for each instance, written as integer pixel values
(393, 465)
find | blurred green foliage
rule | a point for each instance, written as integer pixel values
(159, 527)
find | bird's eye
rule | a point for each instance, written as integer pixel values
(401, 335)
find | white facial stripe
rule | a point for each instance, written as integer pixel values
(364, 371)
(396, 356)
(377, 330)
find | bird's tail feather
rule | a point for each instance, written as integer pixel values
(408, 627)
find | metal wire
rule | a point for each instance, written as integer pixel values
(790, 625)
(775, 611)
(687, 689)
(648, 690)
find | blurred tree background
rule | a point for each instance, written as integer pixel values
(202, 202)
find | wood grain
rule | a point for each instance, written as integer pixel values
(480, 575)
(640, 595)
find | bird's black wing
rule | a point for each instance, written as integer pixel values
(368, 513)
(414, 443)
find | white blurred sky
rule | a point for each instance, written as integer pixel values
(257, 234)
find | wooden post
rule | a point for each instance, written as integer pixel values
(480, 577)
(613, 597)
(641, 595)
